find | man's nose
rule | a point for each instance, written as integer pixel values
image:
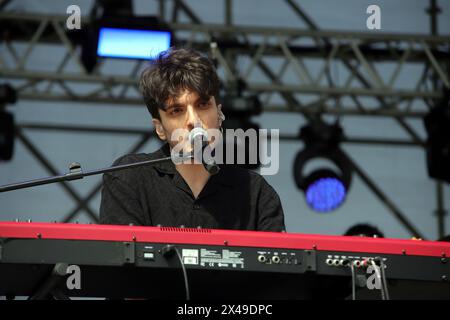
(192, 118)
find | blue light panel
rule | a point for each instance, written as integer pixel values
(133, 44)
(325, 194)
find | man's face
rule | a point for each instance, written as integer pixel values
(185, 112)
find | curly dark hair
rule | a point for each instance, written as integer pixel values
(172, 72)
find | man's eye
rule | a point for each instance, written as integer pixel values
(204, 104)
(175, 111)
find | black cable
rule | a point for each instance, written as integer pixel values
(378, 275)
(186, 283)
(352, 268)
(167, 251)
(383, 275)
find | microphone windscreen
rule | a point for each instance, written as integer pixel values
(197, 132)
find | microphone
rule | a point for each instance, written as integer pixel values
(199, 136)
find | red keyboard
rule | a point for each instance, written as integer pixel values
(115, 259)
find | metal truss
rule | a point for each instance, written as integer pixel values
(300, 70)
(360, 56)
(81, 202)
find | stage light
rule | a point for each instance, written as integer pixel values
(7, 133)
(242, 107)
(239, 109)
(116, 33)
(325, 191)
(325, 188)
(241, 146)
(364, 230)
(132, 43)
(7, 94)
(437, 125)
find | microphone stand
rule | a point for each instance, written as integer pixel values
(50, 287)
(75, 173)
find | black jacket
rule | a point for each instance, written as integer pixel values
(152, 195)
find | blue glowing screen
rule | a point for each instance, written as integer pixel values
(134, 44)
(325, 194)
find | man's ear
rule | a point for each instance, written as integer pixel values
(221, 116)
(159, 129)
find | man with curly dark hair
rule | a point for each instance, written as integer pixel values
(180, 89)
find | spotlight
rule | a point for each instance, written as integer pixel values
(132, 37)
(117, 33)
(239, 109)
(132, 43)
(6, 135)
(437, 125)
(242, 146)
(237, 103)
(325, 188)
(7, 95)
(364, 230)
